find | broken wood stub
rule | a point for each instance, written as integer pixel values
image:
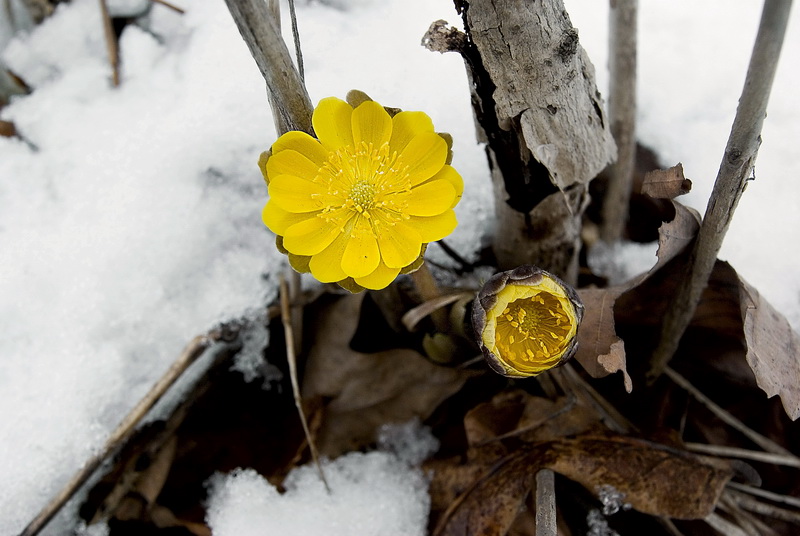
(537, 107)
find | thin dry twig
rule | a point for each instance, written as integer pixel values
(123, 432)
(296, 35)
(759, 507)
(413, 316)
(760, 440)
(612, 417)
(723, 526)
(286, 317)
(758, 492)
(111, 43)
(735, 169)
(746, 520)
(621, 116)
(745, 454)
(545, 503)
(170, 6)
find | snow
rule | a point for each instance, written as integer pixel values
(130, 216)
(372, 494)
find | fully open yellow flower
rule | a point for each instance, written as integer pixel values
(358, 204)
(526, 321)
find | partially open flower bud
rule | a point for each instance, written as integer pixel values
(525, 321)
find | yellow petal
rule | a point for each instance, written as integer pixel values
(452, 176)
(304, 144)
(361, 256)
(399, 245)
(371, 124)
(295, 194)
(433, 228)
(379, 278)
(326, 265)
(310, 236)
(405, 126)
(278, 220)
(290, 162)
(424, 155)
(331, 120)
(431, 198)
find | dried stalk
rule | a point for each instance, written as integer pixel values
(545, 503)
(744, 454)
(111, 43)
(286, 317)
(622, 115)
(760, 440)
(169, 5)
(736, 168)
(758, 492)
(190, 354)
(292, 106)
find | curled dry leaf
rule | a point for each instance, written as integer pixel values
(666, 183)
(600, 351)
(653, 478)
(368, 390)
(772, 349)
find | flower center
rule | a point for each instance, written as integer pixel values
(533, 329)
(362, 194)
(364, 181)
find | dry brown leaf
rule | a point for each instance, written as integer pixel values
(655, 479)
(600, 351)
(666, 183)
(490, 505)
(368, 389)
(772, 349)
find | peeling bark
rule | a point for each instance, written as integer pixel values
(537, 107)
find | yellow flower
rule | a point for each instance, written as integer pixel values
(358, 205)
(525, 321)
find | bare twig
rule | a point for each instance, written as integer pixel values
(111, 43)
(760, 440)
(622, 116)
(412, 317)
(286, 317)
(759, 507)
(193, 350)
(260, 31)
(723, 526)
(745, 454)
(729, 503)
(545, 503)
(296, 35)
(168, 5)
(758, 492)
(737, 165)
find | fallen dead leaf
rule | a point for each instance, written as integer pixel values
(666, 183)
(368, 390)
(772, 349)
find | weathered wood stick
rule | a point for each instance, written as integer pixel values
(734, 172)
(260, 31)
(622, 115)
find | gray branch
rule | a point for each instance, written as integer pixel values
(622, 114)
(259, 29)
(736, 168)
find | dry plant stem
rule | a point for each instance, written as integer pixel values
(111, 43)
(742, 518)
(170, 6)
(753, 505)
(763, 442)
(286, 317)
(193, 350)
(745, 454)
(737, 165)
(723, 526)
(758, 492)
(260, 31)
(545, 503)
(622, 115)
(296, 35)
(429, 290)
(612, 417)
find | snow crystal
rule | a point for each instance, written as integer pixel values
(372, 494)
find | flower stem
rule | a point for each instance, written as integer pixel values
(429, 290)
